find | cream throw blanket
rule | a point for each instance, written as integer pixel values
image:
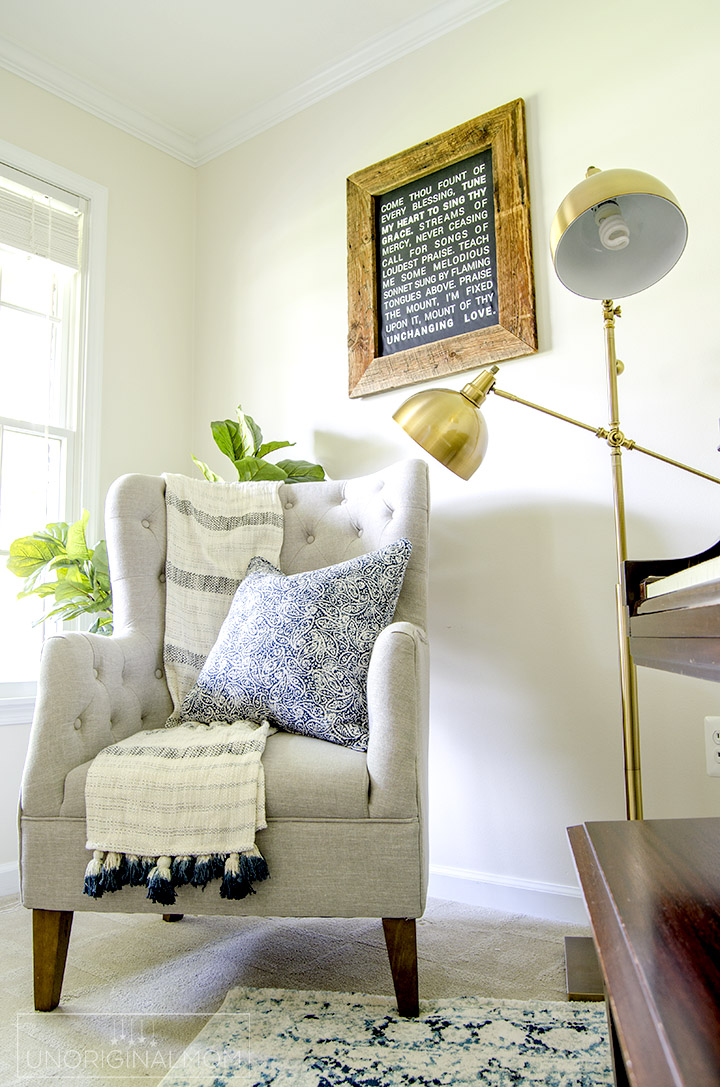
(182, 804)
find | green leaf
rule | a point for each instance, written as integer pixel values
(270, 471)
(47, 588)
(72, 590)
(301, 471)
(206, 471)
(270, 447)
(102, 625)
(61, 564)
(77, 547)
(99, 570)
(28, 555)
(100, 560)
(56, 531)
(66, 612)
(75, 575)
(229, 439)
(251, 432)
(253, 468)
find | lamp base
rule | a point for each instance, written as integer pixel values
(582, 971)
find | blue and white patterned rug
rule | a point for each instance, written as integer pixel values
(317, 1039)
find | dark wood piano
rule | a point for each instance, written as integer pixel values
(652, 887)
(674, 613)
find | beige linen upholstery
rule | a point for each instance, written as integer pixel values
(346, 832)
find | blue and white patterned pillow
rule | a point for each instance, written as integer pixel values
(295, 649)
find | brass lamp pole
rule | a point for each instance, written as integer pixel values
(615, 234)
(628, 673)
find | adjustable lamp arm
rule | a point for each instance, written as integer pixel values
(477, 390)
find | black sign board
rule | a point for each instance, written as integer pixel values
(436, 256)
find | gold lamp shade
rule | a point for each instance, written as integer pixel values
(449, 425)
(616, 233)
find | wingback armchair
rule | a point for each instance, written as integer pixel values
(346, 830)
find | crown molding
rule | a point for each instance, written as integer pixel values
(376, 54)
(77, 92)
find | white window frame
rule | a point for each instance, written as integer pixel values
(17, 707)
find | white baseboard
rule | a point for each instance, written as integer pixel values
(552, 901)
(9, 879)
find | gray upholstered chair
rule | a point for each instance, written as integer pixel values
(346, 830)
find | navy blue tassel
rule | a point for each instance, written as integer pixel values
(160, 888)
(238, 871)
(256, 865)
(114, 872)
(235, 882)
(182, 870)
(93, 876)
(135, 870)
(241, 871)
(203, 872)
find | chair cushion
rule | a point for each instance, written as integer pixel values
(295, 650)
(304, 779)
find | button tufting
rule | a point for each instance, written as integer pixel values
(158, 673)
(288, 505)
(77, 724)
(146, 524)
(162, 578)
(359, 532)
(95, 673)
(311, 539)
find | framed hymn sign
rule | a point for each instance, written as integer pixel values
(440, 275)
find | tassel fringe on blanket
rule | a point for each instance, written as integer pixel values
(161, 875)
(177, 807)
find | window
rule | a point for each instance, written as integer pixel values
(50, 310)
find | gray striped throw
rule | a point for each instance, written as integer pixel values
(182, 804)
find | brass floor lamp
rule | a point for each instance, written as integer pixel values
(614, 235)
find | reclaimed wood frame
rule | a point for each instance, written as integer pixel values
(515, 334)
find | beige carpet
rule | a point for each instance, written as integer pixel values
(142, 966)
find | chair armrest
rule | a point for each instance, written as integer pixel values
(398, 713)
(92, 692)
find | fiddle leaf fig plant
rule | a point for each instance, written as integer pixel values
(241, 441)
(57, 562)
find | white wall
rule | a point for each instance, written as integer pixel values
(525, 708)
(148, 326)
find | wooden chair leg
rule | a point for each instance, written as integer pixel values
(173, 916)
(51, 935)
(401, 945)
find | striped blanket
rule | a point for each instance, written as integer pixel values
(182, 804)
(213, 530)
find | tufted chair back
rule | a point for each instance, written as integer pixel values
(325, 523)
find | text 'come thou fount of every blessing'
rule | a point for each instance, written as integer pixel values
(437, 267)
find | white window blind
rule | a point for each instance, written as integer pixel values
(39, 221)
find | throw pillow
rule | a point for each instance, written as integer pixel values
(295, 649)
